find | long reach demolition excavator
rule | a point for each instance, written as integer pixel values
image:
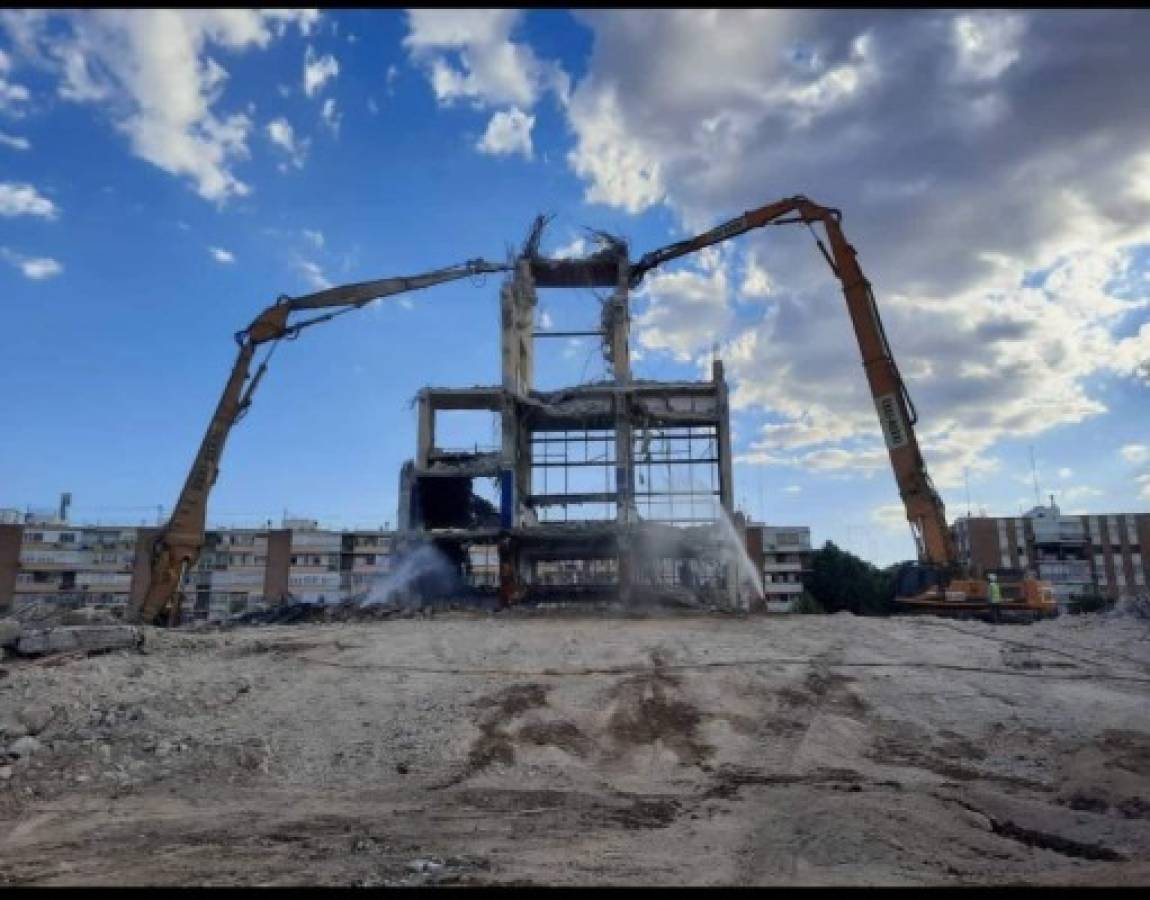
(937, 583)
(178, 544)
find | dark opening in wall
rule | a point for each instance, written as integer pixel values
(451, 502)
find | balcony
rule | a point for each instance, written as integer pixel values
(1067, 571)
(1059, 531)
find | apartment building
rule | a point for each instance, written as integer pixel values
(47, 560)
(54, 561)
(782, 554)
(1076, 554)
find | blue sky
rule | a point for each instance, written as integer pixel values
(164, 176)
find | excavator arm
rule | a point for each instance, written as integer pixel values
(924, 506)
(178, 544)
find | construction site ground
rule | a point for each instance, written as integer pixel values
(572, 749)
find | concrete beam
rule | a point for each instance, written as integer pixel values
(489, 398)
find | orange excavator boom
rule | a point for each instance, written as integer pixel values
(178, 544)
(896, 413)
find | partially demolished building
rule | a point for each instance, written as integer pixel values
(618, 488)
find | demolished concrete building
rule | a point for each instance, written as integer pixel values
(613, 488)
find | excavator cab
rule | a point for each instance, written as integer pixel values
(915, 579)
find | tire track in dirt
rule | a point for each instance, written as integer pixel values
(820, 690)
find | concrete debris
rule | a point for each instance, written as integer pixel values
(35, 718)
(73, 638)
(12, 729)
(87, 615)
(24, 746)
(10, 631)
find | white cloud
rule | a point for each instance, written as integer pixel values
(576, 249)
(220, 255)
(14, 141)
(986, 44)
(469, 54)
(315, 237)
(792, 489)
(1144, 486)
(756, 281)
(1135, 453)
(152, 72)
(1009, 278)
(35, 268)
(892, 515)
(686, 309)
(330, 115)
(317, 71)
(621, 170)
(18, 199)
(508, 132)
(281, 134)
(1065, 473)
(1078, 492)
(12, 95)
(313, 274)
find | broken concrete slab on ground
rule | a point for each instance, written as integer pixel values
(74, 638)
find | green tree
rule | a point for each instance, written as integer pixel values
(841, 581)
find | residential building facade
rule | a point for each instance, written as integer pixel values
(1077, 554)
(45, 560)
(782, 555)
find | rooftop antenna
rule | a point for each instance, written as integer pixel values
(1034, 474)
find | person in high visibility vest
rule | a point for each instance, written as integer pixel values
(995, 595)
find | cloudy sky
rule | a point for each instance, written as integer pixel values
(166, 175)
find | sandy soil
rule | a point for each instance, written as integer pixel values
(577, 750)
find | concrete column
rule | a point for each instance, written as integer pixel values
(406, 515)
(517, 305)
(11, 538)
(425, 439)
(726, 471)
(517, 301)
(277, 566)
(753, 538)
(618, 323)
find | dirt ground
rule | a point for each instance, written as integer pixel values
(478, 749)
